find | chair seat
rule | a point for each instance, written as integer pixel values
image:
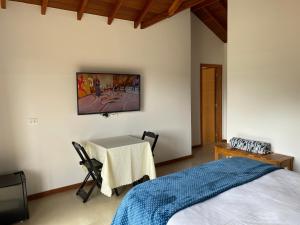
(97, 165)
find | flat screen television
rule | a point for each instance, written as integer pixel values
(102, 93)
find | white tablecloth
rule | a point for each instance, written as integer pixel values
(125, 159)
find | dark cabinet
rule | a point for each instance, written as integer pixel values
(13, 198)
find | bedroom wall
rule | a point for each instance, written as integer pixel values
(207, 48)
(264, 73)
(38, 60)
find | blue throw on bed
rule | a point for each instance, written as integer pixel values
(154, 202)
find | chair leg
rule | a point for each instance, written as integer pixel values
(143, 179)
(85, 195)
(82, 193)
(89, 193)
(146, 178)
(83, 183)
(116, 191)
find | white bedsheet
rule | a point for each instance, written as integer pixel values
(273, 199)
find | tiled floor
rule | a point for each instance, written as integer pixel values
(66, 209)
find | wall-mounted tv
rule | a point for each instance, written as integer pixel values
(99, 93)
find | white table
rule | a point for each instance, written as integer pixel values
(125, 159)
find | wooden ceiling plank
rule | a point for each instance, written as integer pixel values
(3, 4)
(44, 7)
(81, 9)
(143, 13)
(216, 21)
(175, 5)
(165, 15)
(115, 11)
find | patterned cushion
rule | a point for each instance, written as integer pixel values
(250, 145)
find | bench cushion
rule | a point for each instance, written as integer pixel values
(252, 146)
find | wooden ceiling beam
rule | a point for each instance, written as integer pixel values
(3, 4)
(143, 13)
(165, 15)
(224, 4)
(44, 7)
(81, 9)
(189, 4)
(173, 8)
(205, 4)
(154, 20)
(115, 11)
(214, 19)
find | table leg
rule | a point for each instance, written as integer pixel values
(291, 165)
(216, 155)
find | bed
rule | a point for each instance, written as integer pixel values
(235, 191)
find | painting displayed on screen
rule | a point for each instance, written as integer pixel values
(106, 93)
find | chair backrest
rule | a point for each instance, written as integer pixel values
(78, 149)
(151, 135)
(85, 158)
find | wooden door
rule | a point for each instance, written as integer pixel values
(211, 104)
(208, 106)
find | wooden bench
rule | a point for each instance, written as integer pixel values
(224, 149)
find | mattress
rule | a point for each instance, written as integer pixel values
(273, 199)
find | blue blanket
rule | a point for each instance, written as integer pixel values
(154, 202)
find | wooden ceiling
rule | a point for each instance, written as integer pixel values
(214, 15)
(143, 13)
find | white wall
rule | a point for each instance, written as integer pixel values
(207, 48)
(264, 73)
(39, 56)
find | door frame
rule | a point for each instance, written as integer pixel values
(218, 98)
